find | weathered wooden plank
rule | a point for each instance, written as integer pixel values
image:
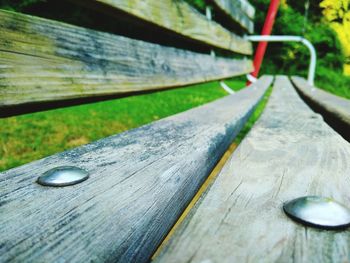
(335, 110)
(140, 182)
(238, 11)
(177, 17)
(246, 7)
(290, 152)
(43, 60)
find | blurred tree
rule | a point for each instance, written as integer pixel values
(337, 13)
(291, 21)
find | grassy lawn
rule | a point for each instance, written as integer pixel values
(254, 117)
(33, 136)
(333, 82)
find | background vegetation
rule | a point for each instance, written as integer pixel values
(33, 136)
(299, 18)
(326, 23)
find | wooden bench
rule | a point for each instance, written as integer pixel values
(335, 110)
(290, 152)
(142, 180)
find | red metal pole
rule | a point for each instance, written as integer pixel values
(267, 28)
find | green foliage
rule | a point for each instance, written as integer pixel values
(254, 117)
(291, 22)
(293, 58)
(333, 81)
(18, 5)
(198, 4)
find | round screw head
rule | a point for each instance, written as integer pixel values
(63, 176)
(319, 212)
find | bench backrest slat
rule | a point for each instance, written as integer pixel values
(245, 6)
(43, 60)
(177, 17)
(239, 11)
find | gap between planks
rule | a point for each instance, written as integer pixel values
(205, 186)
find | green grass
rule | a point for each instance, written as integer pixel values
(33, 136)
(333, 82)
(254, 117)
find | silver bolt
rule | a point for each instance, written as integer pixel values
(319, 212)
(63, 176)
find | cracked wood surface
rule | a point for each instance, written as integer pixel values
(336, 108)
(176, 16)
(43, 60)
(290, 152)
(140, 182)
(240, 11)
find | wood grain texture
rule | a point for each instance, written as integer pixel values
(246, 7)
(179, 17)
(289, 153)
(140, 182)
(237, 11)
(336, 109)
(43, 60)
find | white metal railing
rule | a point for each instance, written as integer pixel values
(307, 43)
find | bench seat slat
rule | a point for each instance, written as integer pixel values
(177, 17)
(140, 182)
(290, 152)
(336, 110)
(43, 61)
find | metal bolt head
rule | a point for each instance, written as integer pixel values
(63, 176)
(319, 212)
